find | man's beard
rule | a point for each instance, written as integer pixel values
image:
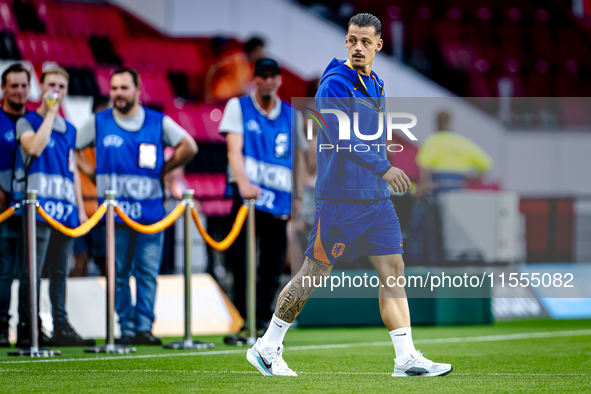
(127, 107)
(15, 106)
(358, 66)
(267, 97)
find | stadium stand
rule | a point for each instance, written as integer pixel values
(468, 47)
(89, 39)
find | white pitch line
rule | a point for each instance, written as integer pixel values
(70, 371)
(490, 338)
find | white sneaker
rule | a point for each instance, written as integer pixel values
(268, 362)
(417, 365)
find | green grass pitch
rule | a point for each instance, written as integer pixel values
(524, 356)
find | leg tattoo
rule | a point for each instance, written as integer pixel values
(296, 293)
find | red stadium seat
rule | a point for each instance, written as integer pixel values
(292, 86)
(479, 86)
(6, 17)
(207, 186)
(64, 51)
(73, 20)
(80, 20)
(103, 78)
(216, 207)
(156, 89)
(201, 121)
(82, 53)
(39, 48)
(47, 48)
(167, 55)
(29, 47)
(104, 21)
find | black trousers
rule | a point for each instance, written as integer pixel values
(272, 242)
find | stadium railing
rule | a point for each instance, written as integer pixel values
(110, 207)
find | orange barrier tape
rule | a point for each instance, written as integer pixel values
(6, 214)
(229, 240)
(78, 231)
(151, 228)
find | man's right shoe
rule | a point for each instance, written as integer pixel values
(417, 365)
(269, 362)
(4, 333)
(64, 335)
(146, 338)
(125, 340)
(23, 336)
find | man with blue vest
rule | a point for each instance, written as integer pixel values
(130, 141)
(15, 90)
(354, 216)
(46, 162)
(259, 138)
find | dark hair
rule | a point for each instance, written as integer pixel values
(134, 74)
(443, 121)
(15, 68)
(366, 20)
(100, 101)
(253, 44)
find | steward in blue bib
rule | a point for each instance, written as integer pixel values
(7, 149)
(131, 163)
(51, 174)
(267, 156)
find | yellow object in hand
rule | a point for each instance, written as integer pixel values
(52, 98)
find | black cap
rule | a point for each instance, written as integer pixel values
(266, 64)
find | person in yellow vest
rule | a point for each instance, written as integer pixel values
(447, 160)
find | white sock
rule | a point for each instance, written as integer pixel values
(402, 339)
(273, 337)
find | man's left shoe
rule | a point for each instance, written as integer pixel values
(417, 365)
(146, 338)
(64, 335)
(269, 362)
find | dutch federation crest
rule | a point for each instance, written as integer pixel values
(281, 145)
(337, 249)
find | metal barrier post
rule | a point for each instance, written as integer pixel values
(110, 346)
(34, 350)
(251, 275)
(188, 342)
